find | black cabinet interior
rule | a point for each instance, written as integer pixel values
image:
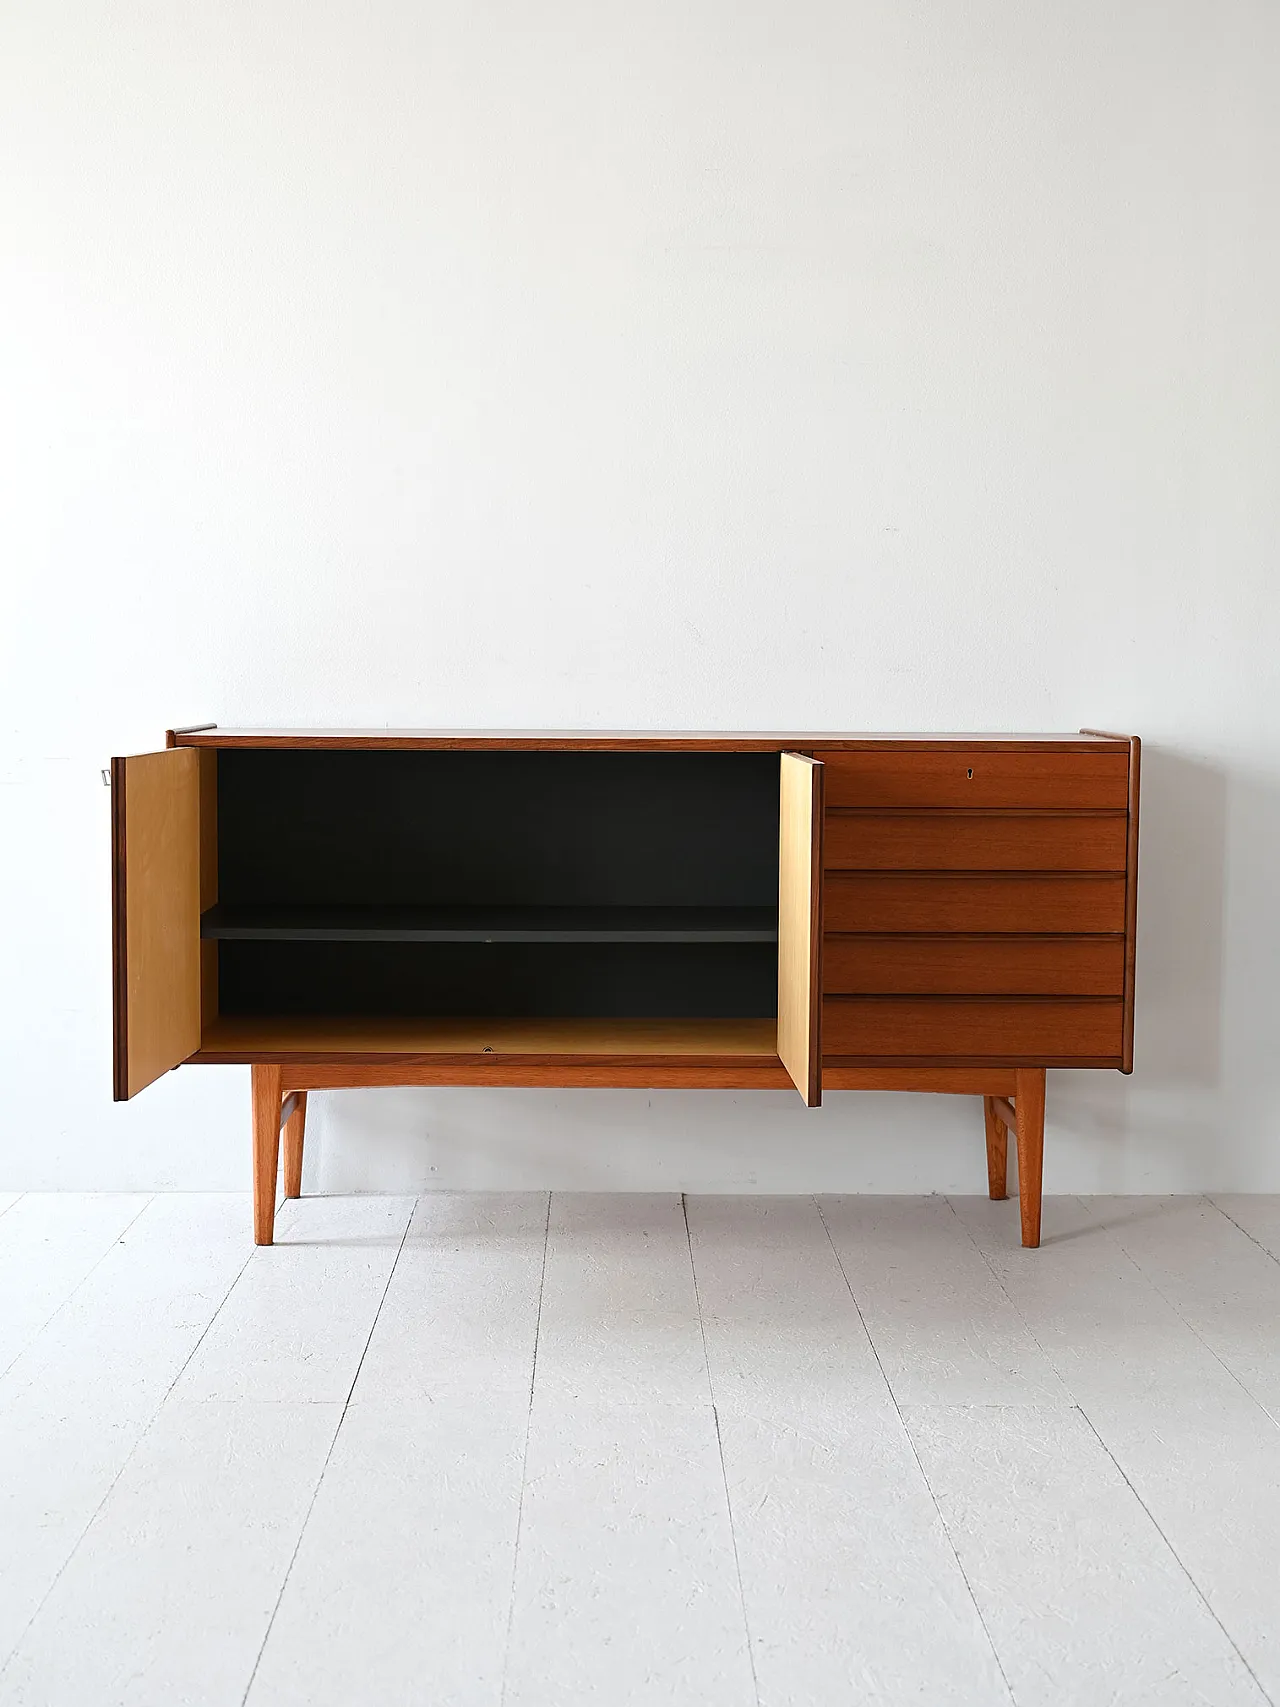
(624, 885)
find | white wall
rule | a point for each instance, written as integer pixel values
(657, 363)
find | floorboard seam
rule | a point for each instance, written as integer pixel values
(1265, 1249)
(1089, 1423)
(142, 1435)
(53, 1316)
(1174, 1554)
(1190, 1326)
(333, 1441)
(724, 1470)
(924, 1475)
(524, 1459)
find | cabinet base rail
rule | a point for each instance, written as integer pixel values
(279, 1097)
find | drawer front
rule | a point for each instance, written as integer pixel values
(978, 777)
(914, 901)
(1044, 1030)
(973, 841)
(978, 966)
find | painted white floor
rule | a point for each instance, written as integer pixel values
(517, 1452)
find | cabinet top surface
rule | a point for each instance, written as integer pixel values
(673, 740)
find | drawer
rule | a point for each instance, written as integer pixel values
(924, 901)
(977, 776)
(974, 841)
(973, 966)
(1042, 1030)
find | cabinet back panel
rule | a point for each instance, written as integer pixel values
(508, 980)
(656, 829)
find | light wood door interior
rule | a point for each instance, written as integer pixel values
(155, 820)
(800, 924)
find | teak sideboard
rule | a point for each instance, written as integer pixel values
(417, 907)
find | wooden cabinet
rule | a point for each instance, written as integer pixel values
(951, 913)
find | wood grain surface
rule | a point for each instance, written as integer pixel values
(799, 1041)
(244, 1037)
(155, 808)
(958, 965)
(1092, 903)
(975, 841)
(980, 775)
(1048, 1029)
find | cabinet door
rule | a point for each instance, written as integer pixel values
(155, 914)
(800, 924)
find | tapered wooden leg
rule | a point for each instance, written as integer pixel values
(293, 1131)
(1029, 1103)
(267, 1101)
(997, 1152)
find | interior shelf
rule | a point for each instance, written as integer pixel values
(627, 1038)
(489, 924)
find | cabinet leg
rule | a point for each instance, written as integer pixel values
(1029, 1102)
(267, 1101)
(997, 1152)
(293, 1132)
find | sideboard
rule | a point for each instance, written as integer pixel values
(338, 908)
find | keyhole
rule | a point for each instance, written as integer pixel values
(970, 773)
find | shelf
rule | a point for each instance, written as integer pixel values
(489, 924)
(242, 1036)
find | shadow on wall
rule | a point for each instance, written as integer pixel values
(1166, 1109)
(633, 1140)
(1251, 1035)
(1181, 907)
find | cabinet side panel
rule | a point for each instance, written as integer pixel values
(800, 924)
(1134, 779)
(1131, 904)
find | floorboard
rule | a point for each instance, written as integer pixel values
(625, 1587)
(77, 1401)
(620, 1321)
(839, 1543)
(1258, 1218)
(1220, 1280)
(460, 1317)
(1084, 1598)
(297, 1323)
(784, 1337)
(1200, 1453)
(401, 1589)
(942, 1327)
(173, 1585)
(49, 1243)
(503, 1450)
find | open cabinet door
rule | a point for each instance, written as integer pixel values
(155, 914)
(800, 924)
